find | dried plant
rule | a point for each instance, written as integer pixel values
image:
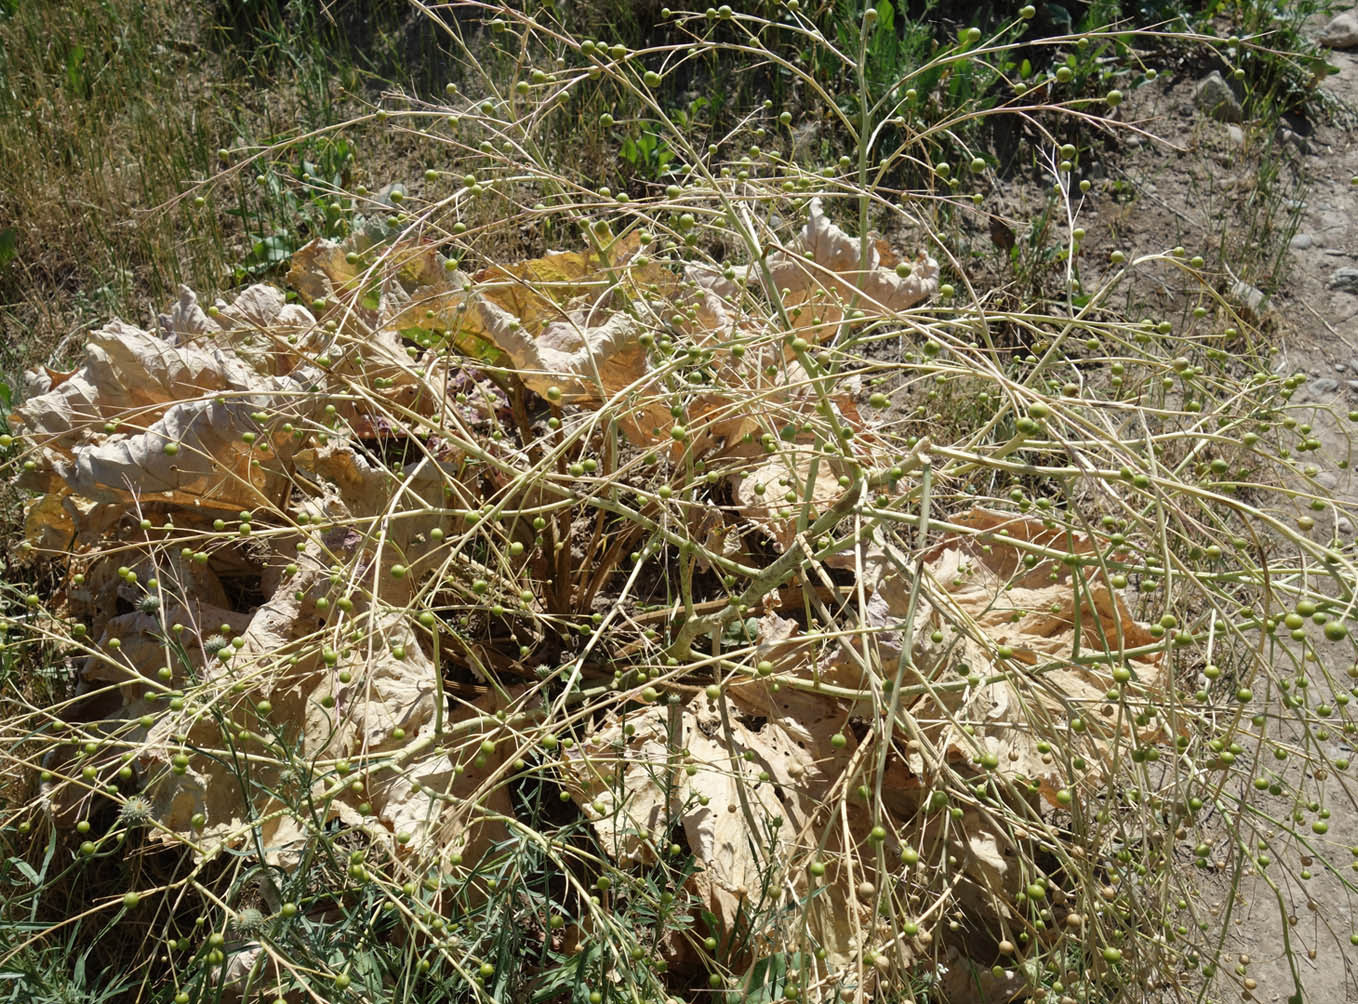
(626, 622)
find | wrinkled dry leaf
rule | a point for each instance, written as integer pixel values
(748, 833)
(130, 377)
(986, 861)
(827, 273)
(47, 522)
(979, 597)
(383, 693)
(246, 972)
(269, 334)
(209, 463)
(589, 356)
(552, 319)
(718, 538)
(422, 489)
(629, 789)
(773, 495)
(537, 292)
(178, 415)
(196, 390)
(374, 287)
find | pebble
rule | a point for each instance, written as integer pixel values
(1249, 297)
(1344, 526)
(1345, 280)
(1215, 97)
(1324, 385)
(1236, 134)
(1341, 32)
(1303, 241)
(1339, 367)
(1352, 385)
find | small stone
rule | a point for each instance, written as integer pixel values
(1341, 32)
(1352, 385)
(1290, 137)
(1345, 280)
(1323, 385)
(1215, 98)
(1339, 367)
(1343, 526)
(1249, 297)
(1236, 134)
(1302, 242)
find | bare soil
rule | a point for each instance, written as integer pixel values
(1219, 189)
(1274, 213)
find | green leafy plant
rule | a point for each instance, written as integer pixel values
(310, 199)
(647, 155)
(1269, 51)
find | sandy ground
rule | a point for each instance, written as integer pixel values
(1218, 188)
(1313, 313)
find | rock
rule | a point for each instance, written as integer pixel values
(1343, 526)
(1302, 242)
(1324, 385)
(1353, 365)
(1341, 32)
(1340, 367)
(1290, 137)
(1249, 297)
(1236, 134)
(1214, 97)
(1345, 280)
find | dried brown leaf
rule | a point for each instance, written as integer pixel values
(773, 494)
(753, 789)
(979, 597)
(128, 376)
(828, 271)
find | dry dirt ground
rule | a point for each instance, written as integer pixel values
(1317, 324)
(1178, 193)
(1275, 214)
